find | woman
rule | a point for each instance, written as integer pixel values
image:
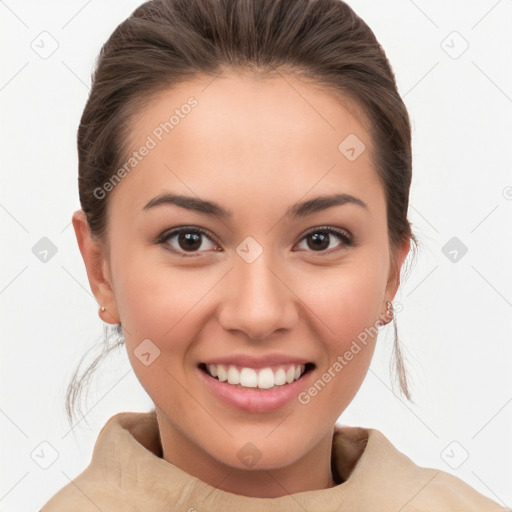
(244, 174)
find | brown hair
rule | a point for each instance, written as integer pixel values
(165, 42)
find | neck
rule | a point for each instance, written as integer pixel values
(310, 472)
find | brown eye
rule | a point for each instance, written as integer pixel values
(187, 240)
(319, 240)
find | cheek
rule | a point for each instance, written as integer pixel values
(165, 305)
(156, 310)
(155, 304)
(346, 302)
(348, 298)
(149, 294)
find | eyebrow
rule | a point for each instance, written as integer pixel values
(300, 209)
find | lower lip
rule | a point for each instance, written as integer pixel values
(255, 399)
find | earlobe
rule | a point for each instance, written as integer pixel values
(388, 315)
(94, 257)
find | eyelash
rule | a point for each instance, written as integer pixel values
(342, 235)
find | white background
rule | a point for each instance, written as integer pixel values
(456, 320)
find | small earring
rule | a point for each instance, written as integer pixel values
(389, 313)
(103, 309)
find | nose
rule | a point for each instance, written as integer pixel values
(258, 300)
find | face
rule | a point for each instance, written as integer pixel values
(265, 284)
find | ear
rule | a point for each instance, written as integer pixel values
(96, 263)
(396, 261)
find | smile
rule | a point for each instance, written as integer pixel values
(263, 378)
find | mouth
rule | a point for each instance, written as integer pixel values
(271, 377)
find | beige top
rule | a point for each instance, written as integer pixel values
(127, 473)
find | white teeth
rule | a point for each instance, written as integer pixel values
(266, 378)
(221, 373)
(248, 378)
(280, 377)
(233, 375)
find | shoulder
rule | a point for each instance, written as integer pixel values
(87, 495)
(103, 485)
(387, 478)
(445, 491)
(427, 488)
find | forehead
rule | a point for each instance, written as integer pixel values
(242, 136)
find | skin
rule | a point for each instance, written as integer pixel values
(255, 146)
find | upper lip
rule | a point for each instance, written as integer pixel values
(249, 361)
